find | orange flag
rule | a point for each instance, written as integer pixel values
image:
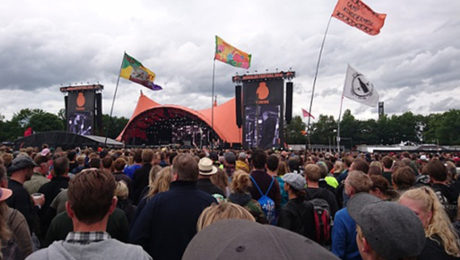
(357, 14)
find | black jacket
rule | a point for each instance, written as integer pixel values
(140, 181)
(325, 194)
(207, 186)
(297, 215)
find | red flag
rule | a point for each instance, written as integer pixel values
(306, 114)
(357, 14)
(28, 131)
(303, 132)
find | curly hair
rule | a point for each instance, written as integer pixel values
(439, 224)
(241, 181)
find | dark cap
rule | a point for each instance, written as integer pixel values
(21, 162)
(242, 239)
(392, 230)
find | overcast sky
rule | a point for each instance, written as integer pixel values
(414, 63)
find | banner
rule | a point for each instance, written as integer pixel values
(306, 114)
(136, 72)
(357, 14)
(231, 55)
(359, 89)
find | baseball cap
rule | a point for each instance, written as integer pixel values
(21, 161)
(296, 180)
(392, 230)
(243, 239)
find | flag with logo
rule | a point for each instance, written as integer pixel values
(136, 72)
(357, 14)
(359, 89)
(305, 113)
(231, 55)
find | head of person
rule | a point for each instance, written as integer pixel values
(360, 165)
(61, 166)
(21, 167)
(425, 204)
(95, 162)
(137, 156)
(223, 210)
(107, 163)
(71, 155)
(272, 163)
(259, 159)
(339, 167)
(282, 168)
(161, 182)
(153, 173)
(229, 159)
(374, 170)
(185, 168)
(312, 172)
(294, 184)
(400, 236)
(91, 196)
(206, 168)
(381, 188)
(240, 182)
(294, 164)
(436, 170)
(42, 164)
(387, 162)
(147, 156)
(220, 179)
(119, 164)
(121, 191)
(403, 178)
(323, 168)
(356, 182)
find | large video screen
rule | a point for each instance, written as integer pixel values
(80, 112)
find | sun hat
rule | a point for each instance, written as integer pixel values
(206, 167)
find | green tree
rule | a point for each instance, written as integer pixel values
(44, 121)
(322, 132)
(294, 131)
(115, 125)
(448, 131)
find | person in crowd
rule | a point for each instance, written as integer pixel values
(344, 230)
(107, 164)
(72, 157)
(91, 202)
(338, 169)
(382, 189)
(95, 162)
(297, 215)
(137, 157)
(118, 167)
(242, 162)
(294, 163)
(206, 169)
(21, 170)
(441, 238)
(221, 211)
(282, 170)
(80, 164)
(59, 181)
(229, 163)
(327, 181)
(141, 176)
(272, 165)
(220, 179)
(16, 243)
(374, 170)
(241, 196)
(447, 195)
(400, 236)
(124, 203)
(403, 178)
(39, 176)
(263, 180)
(312, 173)
(167, 223)
(244, 239)
(347, 161)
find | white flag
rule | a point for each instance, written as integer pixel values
(359, 89)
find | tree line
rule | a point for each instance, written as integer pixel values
(42, 121)
(442, 129)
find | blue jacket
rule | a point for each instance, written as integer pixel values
(167, 223)
(344, 236)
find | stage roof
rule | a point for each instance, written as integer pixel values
(224, 117)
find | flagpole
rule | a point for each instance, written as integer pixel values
(338, 125)
(113, 102)
(314, 80)
(212, 100)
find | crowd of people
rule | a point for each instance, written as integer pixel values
(168, 203)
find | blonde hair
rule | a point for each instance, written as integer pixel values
(376, 163)
(153, 173)
(220, 179)
(241, 181)
(161, 183)
(439, 223)
(122, 191)
(224, 210)
(339, 167)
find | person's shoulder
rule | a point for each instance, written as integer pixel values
(39, 254)
(129, 251)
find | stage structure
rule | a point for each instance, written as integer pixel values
(155, 124)
(83, 106)
(262, 108)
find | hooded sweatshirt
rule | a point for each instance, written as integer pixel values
(107, 249)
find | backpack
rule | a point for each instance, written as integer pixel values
(267, 204)
(323, 221)
(449, 207)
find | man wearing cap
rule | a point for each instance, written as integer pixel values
(297, 215)
(39, 176)
(21, 170)
(229, 163)
(206, 170)
(167, 223)
(400, 236)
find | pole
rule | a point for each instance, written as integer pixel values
(338, 126)
(212, 100)
(316, 75)
(113, 102)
